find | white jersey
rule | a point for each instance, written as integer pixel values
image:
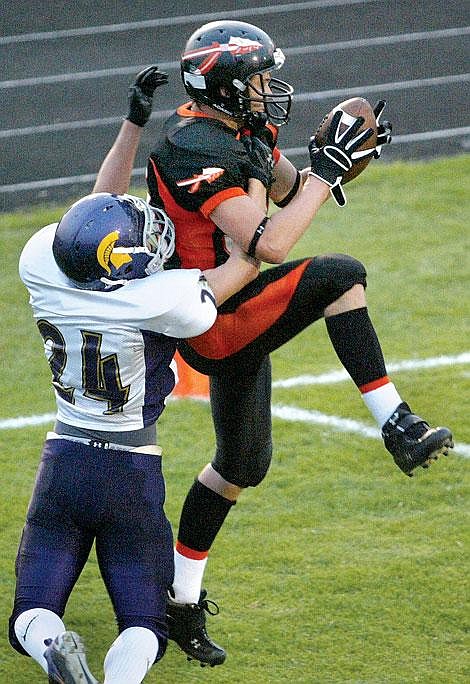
(110, 352)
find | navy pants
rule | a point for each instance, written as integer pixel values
(85, 494)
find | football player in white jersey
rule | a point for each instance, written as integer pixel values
(110, 318)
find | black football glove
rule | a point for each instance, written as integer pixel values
(330, 161)
(260, 161)
(384, 129)
(140, 94)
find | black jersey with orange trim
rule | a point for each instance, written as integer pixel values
(198, 163)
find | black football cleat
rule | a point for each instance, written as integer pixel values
(66, 661)
(187, 627)
(412, 442)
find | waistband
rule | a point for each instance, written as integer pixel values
(152, 449)
(135, 438)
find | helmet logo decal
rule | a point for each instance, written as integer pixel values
(236, 46)
(210, 175)
(105, 253)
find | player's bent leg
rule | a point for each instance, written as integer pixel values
(295, 295)
(135, 556)
(66, 659)
(242, 418)
(412, 442)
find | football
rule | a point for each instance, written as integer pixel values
(352, 108)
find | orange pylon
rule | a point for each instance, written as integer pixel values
(190, 382)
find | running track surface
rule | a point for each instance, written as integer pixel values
(65, 75)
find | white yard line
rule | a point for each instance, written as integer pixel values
(292, 414)
(409, 365)
(299, 415)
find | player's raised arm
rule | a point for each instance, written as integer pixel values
(115, 171)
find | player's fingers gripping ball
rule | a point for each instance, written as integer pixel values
(349, 112)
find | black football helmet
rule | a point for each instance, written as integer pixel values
(104, 240)
(218, 62)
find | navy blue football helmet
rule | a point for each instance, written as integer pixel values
(104, 240)
(218, 62)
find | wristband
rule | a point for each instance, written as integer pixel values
(258, 233)
(291, 194)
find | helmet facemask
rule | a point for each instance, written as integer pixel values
(274, 94)
(158, 235)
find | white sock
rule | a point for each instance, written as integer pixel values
(131, 656)
(382, 402)
(188, 578)
(33, 628)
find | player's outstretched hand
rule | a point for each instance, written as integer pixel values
(140, 94)
(330, 161)
(384, 129)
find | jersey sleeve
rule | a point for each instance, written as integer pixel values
(196, 310)
(177, 303)
(201, 163)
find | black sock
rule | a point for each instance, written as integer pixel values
(203, 514)
(357, 346)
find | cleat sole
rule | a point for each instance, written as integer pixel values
(69, 658)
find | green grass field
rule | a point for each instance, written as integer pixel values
(337, 568)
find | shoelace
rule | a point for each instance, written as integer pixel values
(207, 604)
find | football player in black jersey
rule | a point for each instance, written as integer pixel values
(200, 169)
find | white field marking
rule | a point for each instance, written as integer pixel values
(111, 72)
(26, 421)
(182, 19)
(290, 414)
(334, 376)
(288, 152)
(294, 414)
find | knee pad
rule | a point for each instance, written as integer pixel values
(247, 469)
(326, 278)
(261, 463)
(340, 271)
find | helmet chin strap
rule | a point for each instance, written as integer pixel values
(256, 121)
(113, 284)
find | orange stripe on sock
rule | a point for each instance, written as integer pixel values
(375, 384)
(190, 553)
